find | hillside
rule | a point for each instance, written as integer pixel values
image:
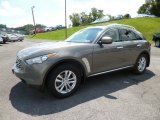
(148, 26)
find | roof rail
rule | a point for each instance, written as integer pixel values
(122, 25)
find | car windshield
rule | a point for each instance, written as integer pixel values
(85, 36)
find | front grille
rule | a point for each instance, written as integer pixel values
(18, 63)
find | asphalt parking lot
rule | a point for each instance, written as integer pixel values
(120, 95)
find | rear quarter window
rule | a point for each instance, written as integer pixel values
(139, 36)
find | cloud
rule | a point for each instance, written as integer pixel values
(7, 10)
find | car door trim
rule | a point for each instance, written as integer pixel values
(111, 70)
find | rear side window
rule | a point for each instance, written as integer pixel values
(124, 35)
(113, 33)
(128, 35)
(132, 35)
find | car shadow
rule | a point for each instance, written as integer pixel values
(32, 101)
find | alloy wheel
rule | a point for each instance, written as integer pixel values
(142, 64)
(65, 82)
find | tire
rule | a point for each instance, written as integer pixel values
(58, 85)
(141, 64)
(157, 43)
(4, 41)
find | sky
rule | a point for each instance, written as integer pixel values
(16, 13)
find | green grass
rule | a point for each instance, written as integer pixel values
(148, 26)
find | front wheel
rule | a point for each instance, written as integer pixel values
(141, 64)
(64, 80)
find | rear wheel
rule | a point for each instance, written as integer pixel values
(141, 64)
(64, 80)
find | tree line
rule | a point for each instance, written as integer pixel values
(26, 29)
(84, 18)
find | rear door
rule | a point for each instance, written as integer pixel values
(131, 44)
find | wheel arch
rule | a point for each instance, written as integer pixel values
(147, 55)
(65, 61)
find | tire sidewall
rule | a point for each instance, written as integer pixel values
(55, 72)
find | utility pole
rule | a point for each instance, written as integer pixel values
(33, 19)
(65, 19)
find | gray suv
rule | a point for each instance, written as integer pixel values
(62, 66)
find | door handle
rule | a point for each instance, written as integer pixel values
(120, 47)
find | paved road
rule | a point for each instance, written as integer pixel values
(115, 96)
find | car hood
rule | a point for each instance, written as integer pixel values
(44, 48)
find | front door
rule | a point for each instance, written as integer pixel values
(108, 56)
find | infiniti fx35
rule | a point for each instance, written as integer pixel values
(62, 66)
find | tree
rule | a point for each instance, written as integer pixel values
(127, 16)
(3, 26)
(100, 14)
(150, 7)
(85, 18)
(75, 18)
(96, 14)
(144, 9)
(28, 28)
(40, 26)
(155, 8)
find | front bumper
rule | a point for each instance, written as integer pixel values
(31, 75)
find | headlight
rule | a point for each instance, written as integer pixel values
(39, 59)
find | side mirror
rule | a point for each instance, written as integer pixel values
(106, 40)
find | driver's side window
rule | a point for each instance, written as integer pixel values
(113, 33)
